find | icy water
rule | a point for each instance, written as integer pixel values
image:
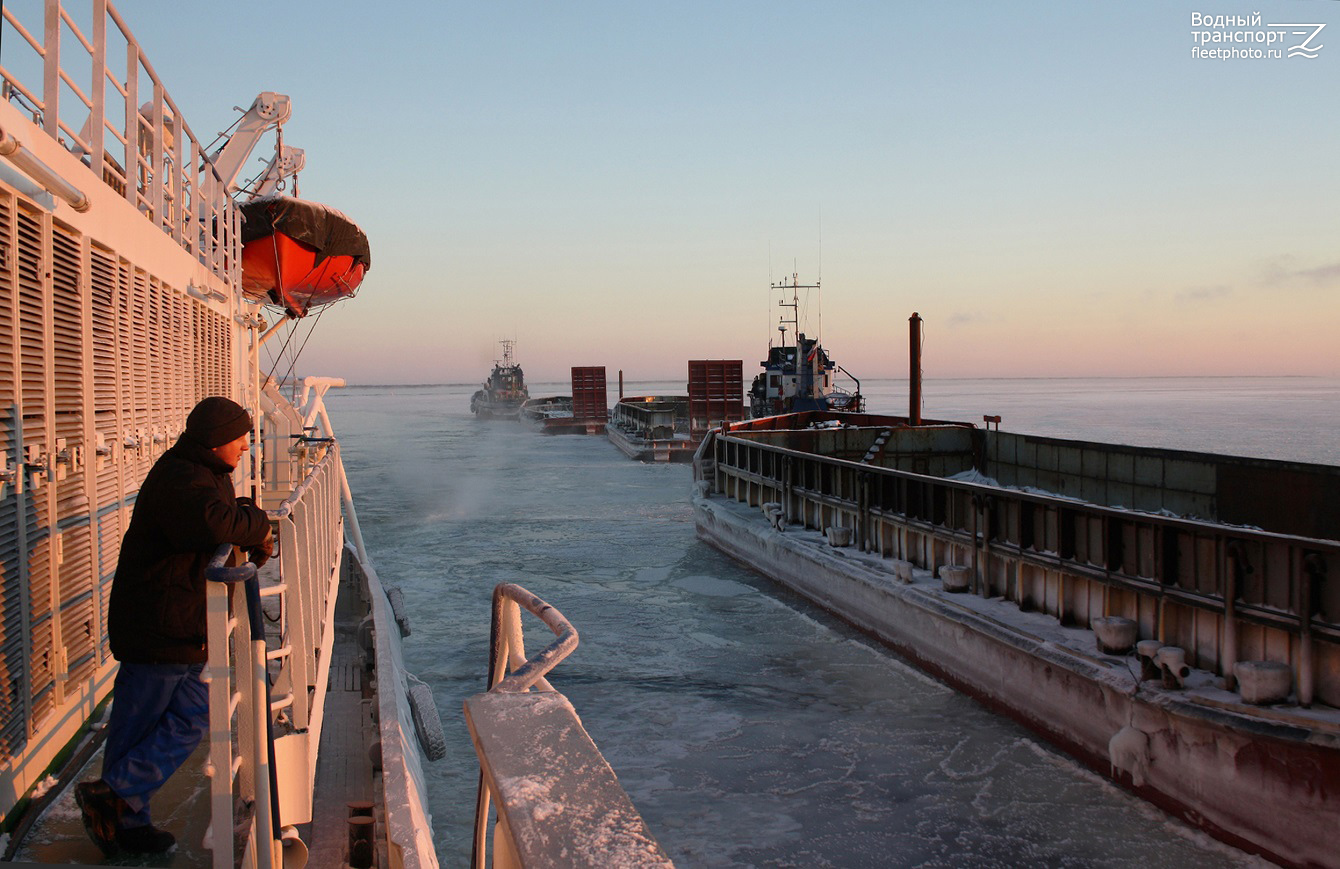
(749, 727)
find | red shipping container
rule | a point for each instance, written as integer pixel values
(716, 394)
(588, 394)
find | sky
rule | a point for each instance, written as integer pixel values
(1058, 188)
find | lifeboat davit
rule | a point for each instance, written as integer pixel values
(300, 254)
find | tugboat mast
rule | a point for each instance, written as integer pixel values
(795, 286)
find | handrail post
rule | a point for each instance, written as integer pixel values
(1314, 574)
(1234, 568)
(265, 815)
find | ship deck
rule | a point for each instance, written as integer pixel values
(344, 774)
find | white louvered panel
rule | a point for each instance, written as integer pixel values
(195, 321)
(204, 350)
(67, 321)
(158, 355)
(125, 367)
(110, 532)
(13, 645)
(224, 367)
(142, 421)
(183, 394)
(77, 633)
(221, 342)
(31, 313)
(39, 573)
(8, 397)
(43, 680)
(31, 233)
(104, 292)
(76, 567)
(125, 357)
(13, 648)
(8, 256)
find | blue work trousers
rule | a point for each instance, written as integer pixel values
(159, 714)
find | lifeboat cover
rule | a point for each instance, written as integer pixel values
(300, 254)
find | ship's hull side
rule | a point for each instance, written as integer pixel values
(1210, 766)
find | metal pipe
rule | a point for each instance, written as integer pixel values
(914, 369)
(533, 670)
(40, 172)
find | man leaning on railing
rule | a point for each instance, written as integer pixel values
(156, 622)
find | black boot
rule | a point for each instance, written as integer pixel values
(100, 808)
(145, 840)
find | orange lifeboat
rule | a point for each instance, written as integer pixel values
(300, 254)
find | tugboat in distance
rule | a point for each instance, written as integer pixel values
(505, 390)
(799, 377)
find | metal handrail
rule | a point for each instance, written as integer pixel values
(172, 174)
(506, 647)
(260, 751)
(847, 486)
(505, 644)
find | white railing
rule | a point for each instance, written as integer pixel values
(310, 547)
(132, 135)
(535, 754)
(239, 762)
(256, 728)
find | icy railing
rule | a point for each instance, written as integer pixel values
(132, 135)
(558, 800)
(1279, 592)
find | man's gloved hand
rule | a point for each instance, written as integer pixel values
(261, 553)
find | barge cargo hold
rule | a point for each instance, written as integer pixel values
(652, 428)
(554, 415)
(1130, 605)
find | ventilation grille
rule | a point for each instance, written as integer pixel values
(100, 360)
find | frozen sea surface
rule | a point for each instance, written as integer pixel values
(749, 727)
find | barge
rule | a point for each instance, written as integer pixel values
(1169, 618)
(554, 414)
(652, 428)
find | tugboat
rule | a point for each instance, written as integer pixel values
(799, 377)
(505, 390)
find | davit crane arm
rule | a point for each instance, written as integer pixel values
(287, 161)
(268, 112)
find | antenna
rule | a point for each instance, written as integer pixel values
(818, 284)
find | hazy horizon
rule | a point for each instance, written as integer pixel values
(1057, 188)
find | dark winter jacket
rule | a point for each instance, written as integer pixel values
(184, 510)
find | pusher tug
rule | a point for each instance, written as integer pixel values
(799, 376)
(504, 392)
(128, 293)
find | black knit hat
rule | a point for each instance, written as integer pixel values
(216, 421)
